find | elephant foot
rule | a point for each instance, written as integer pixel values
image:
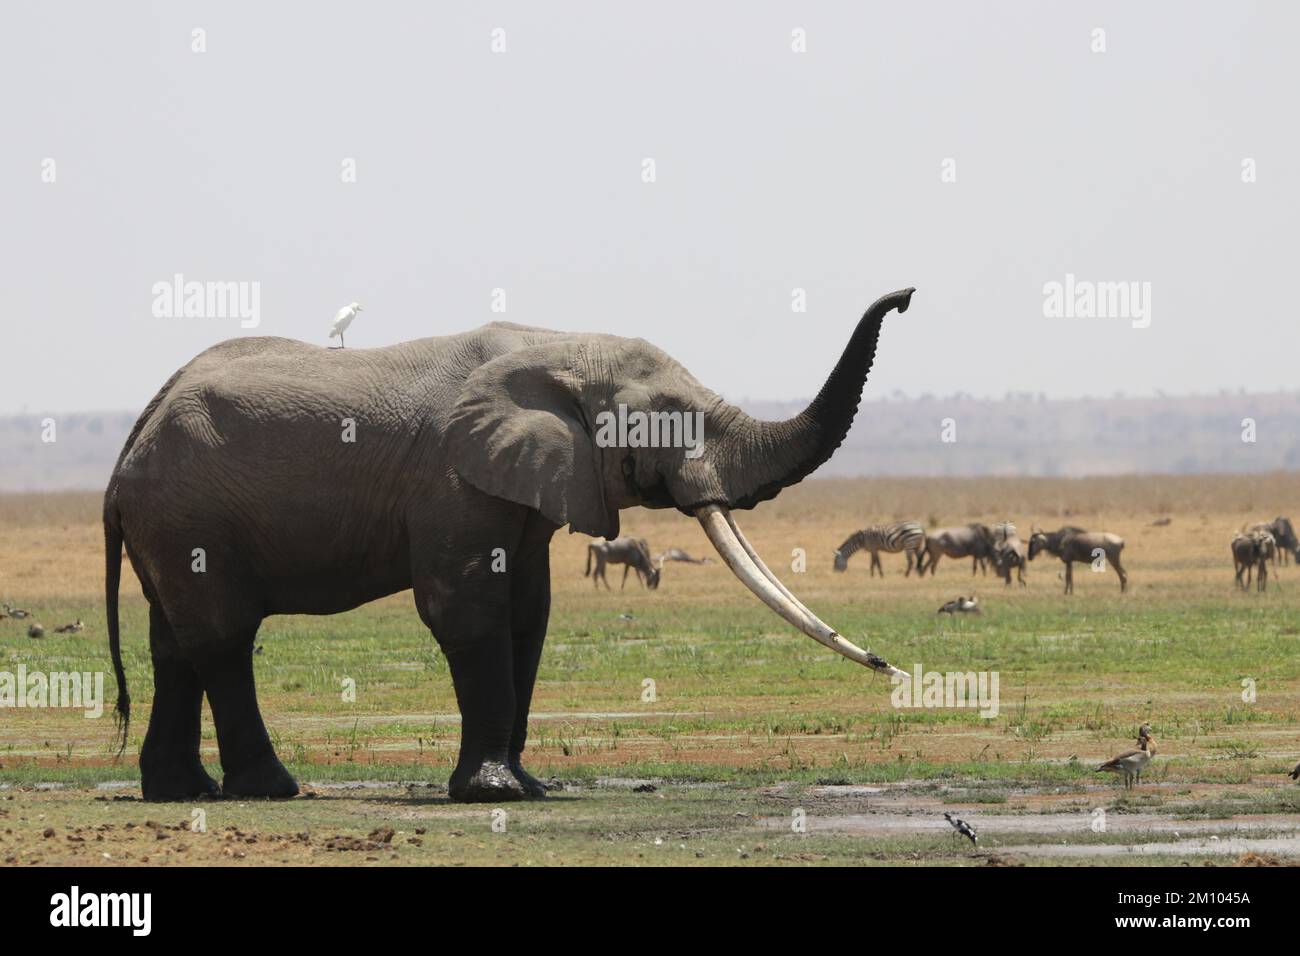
(265, 777)
(183, 781)
(533, 787)
(491, 782)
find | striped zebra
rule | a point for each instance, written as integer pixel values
(906, 536)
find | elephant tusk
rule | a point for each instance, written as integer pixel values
(745, 564)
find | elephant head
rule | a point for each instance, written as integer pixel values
(575, 427)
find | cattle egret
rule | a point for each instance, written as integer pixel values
(343, 320)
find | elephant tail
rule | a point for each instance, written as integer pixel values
(112, 579)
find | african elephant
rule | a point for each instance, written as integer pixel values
(311, 481)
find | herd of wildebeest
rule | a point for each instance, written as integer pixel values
(999, 547)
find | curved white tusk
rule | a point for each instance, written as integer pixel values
(767, 572)
(749, 568)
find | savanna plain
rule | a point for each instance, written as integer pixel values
(690, 726)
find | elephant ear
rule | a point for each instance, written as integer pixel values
(520, 431)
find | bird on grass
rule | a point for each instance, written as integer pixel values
(1295, 774)
(1132, 762)
(35, 630)
(73, 628)
(343, 320)
(16, 613)
(961, 827)
(962, 605)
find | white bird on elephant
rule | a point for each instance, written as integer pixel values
(343, 320)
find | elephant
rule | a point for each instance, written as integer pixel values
(269, 476)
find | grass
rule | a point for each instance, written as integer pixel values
(740, 703)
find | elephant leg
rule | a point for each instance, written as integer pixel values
(1123, 578)
(170, 768)
(626, 569)
(530, 608)
(1069, 577)
(479, 654)
(248, 761)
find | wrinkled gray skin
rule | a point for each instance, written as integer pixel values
(464, 444)
(632, 553)
(974, 541)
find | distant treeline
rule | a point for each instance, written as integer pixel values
(1019, 435)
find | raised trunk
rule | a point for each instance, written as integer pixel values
(774, 455)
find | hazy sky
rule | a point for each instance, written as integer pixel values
(775, 170)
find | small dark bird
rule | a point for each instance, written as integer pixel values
(70, 628)
(1295, 774)
(962, 827)
(626, 617)
(962, 605)
(35, 630)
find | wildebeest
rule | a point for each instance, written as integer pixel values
(632, 553)
(1283, 537)
(906, 536)
(974, 541)
(1072, 544)
(1252, 551)
(1008, 552)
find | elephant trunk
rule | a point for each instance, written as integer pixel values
(775, 455)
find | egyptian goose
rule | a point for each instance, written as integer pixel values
(962, 605)
(1131, 762)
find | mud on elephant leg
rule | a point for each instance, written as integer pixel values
(170, 768)
(247, 758)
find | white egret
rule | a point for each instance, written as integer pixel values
(343, 320)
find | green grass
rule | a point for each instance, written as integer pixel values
(742, 707)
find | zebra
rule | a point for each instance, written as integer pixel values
(906, 536)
